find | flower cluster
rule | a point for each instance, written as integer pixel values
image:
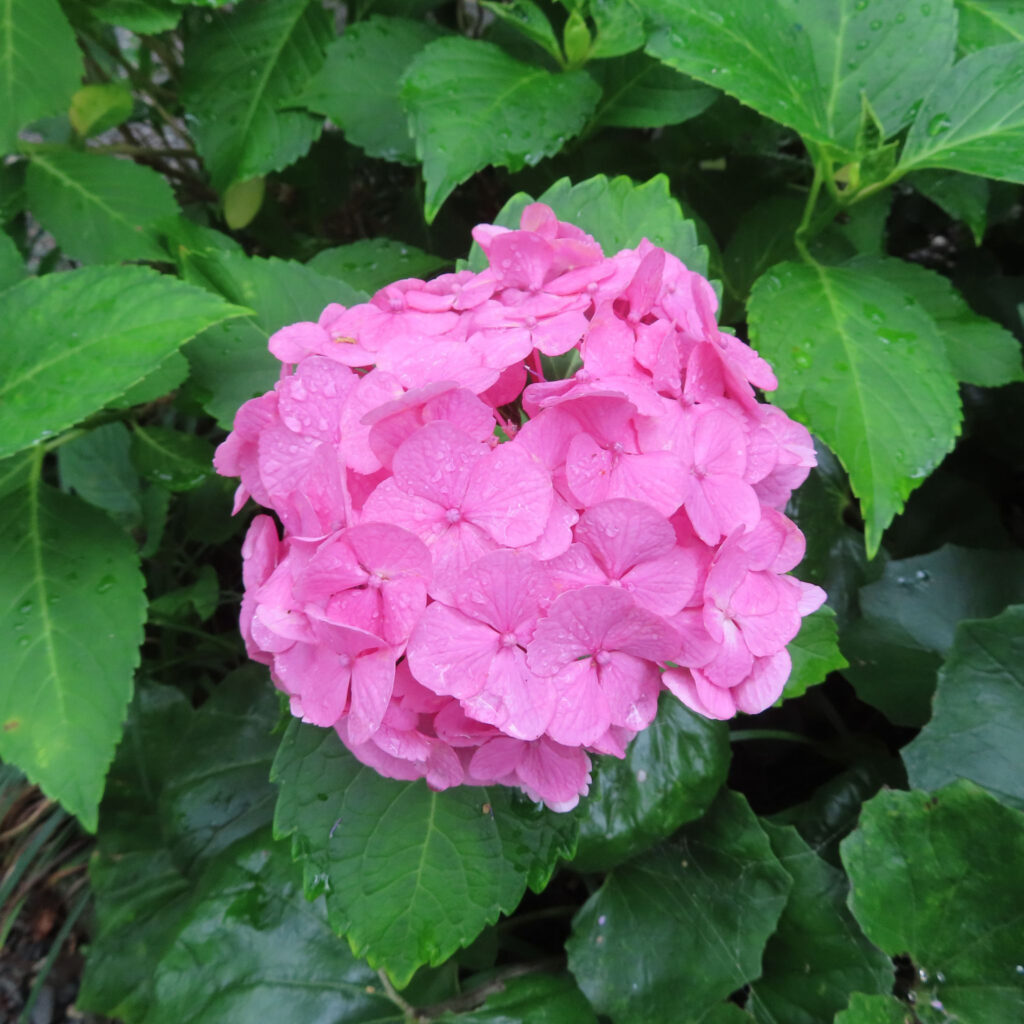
(484, 574)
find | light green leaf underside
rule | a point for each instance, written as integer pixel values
(71, 608)
(40, 65)
(100, 209)
(71, 342)
(973, 118)
(470, 105)
(865, 369)
(358, 86)
(807, 65)
(979, 712)
(240, 69)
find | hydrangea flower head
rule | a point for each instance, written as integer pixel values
(484, 577)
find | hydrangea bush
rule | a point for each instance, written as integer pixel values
(486, 575)
(740, 328)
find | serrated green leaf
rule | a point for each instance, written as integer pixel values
(979, 350)
(72, 600)
(979, 712)
(95, 108)
(936, 877)
(909, 618)
(815, 653)
(866, 371)
(528, 18)
(410, 875)
(818, 955)
(807, 66)
(963, 196)
(670, 775)
(230, 363)
(973, 118)
(639, 92)
(619, 27)
(97, 466)
(12, 266)
(372, 263)
(40, 65)
(171, 458)
(72, 342)
(164, 379)
(241, 66)
(471, 105)
(618, 213)
(672, 933)
(534, 999)
(358, 85)
(985, 23)
(875, 1009)
(99, 208)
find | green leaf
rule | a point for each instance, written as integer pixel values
(670, 775)
(72, 600)
(40, 65)
(230, 363)
(670, 934)
(358, 85)
(95, 108)
(973, 118)
(807, 66)
(99, 208)
(201, 596)
(98, 467)
(909, 618)
(143, 16)
(815, 653)
(875, 1009)
(818, 955)
(639, 92)
(241, 66)
(164, 379)
(619, 25)
(471, 105)
(963, 196)
(618, 213)
(936, 877)
(94, 333)
(979, 712)
(410, 875)
(979, 350)
(866, 371)
(985, 23)
(16, 471)
(533, 999)
(530, 20)
(12, 266)
(242, 201)
(372, 263)
(171, 458)
(763, 238)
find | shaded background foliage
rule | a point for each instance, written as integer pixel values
(181, 179)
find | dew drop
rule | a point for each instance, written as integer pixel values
(938, 124)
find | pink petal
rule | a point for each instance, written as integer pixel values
(451, 653)
(373, 677)
(558, 775)
(509, 496)
(581, 713)
(763, 687)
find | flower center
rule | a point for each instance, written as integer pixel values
(453, 515)
(602, 657)
(508, 640)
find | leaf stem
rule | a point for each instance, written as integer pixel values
(392, 993)
(804, 227)
(785, 735)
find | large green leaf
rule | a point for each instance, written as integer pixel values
(670, 775)
(241, 66)
(864, 369)
(143, 16)
(12, 266)
(231, 362)
(979, 712)
(372, 263)
(471, 105)
(171, 458)
(72, 342)
(986, 23)
(670, 934)
(410, 875)
(909, 617)
(938, 878)
(99, 209)
(40, 65)
(98, 467)
(72, 605)
(618, 213)
(979, 350)
(815, 653)
(876, 1009)
(533, 999)
(358, 86)
(964, 197)
(819, 955)
(808, 65)
(973, 118)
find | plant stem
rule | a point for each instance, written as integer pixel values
(770, 734)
